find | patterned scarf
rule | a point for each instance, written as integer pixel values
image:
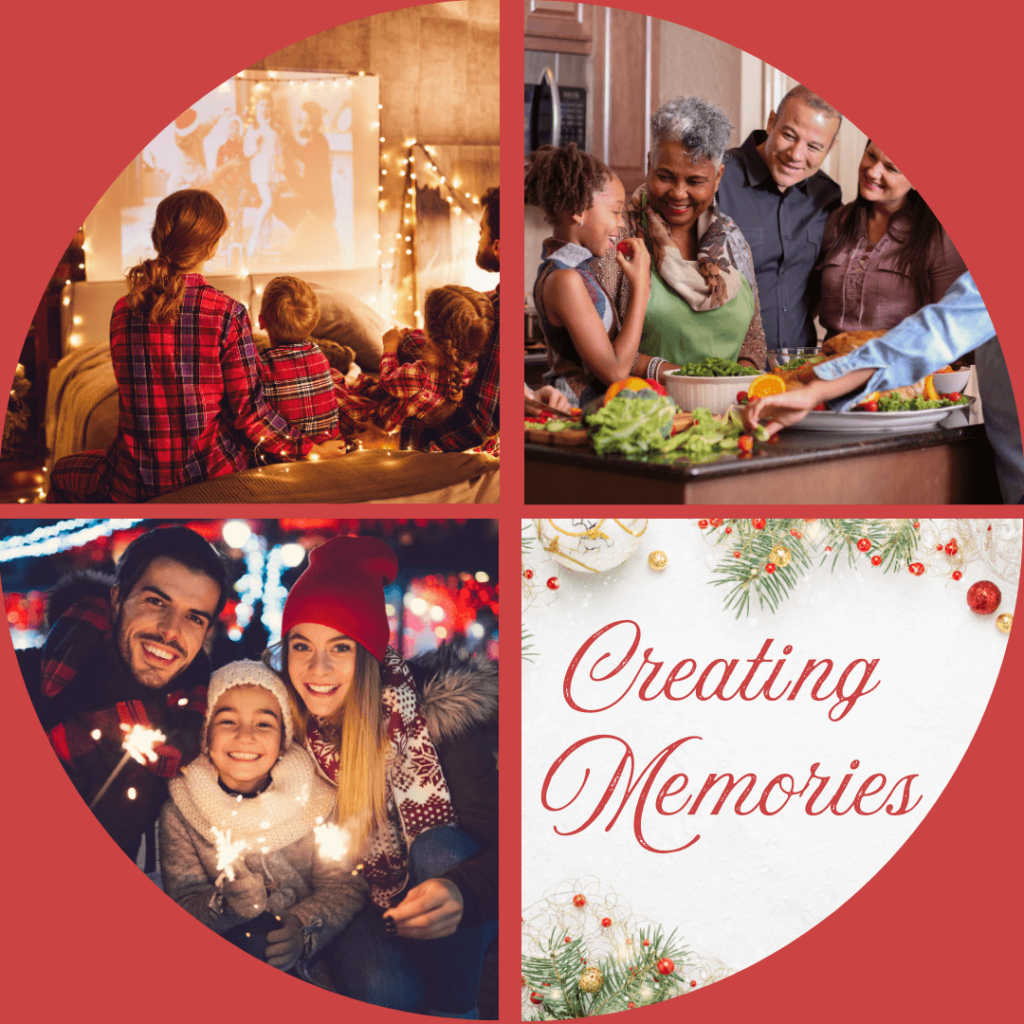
(418, 795)
(715, 279)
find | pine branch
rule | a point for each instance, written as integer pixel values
(527, 649)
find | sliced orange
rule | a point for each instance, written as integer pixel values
(929, 389)
(946, 369)
(633, 383)
(766, 384)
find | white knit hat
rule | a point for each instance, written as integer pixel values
(248, 673)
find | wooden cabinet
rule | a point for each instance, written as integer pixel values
(555, 25)
(626, 51)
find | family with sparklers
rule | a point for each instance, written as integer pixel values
(331, 809)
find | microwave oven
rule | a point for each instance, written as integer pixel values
(557, 100)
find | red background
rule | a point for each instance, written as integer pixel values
(935, 935)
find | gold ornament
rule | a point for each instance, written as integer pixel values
(780, 556)
(1004, 622)
(591, 980)
(657, 560)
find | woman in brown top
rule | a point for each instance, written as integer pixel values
(886, 254)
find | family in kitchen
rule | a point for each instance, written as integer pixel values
(726, 257)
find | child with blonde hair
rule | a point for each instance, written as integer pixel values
(422, 373)
(296, 375)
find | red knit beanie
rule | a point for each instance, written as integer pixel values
(343, 588)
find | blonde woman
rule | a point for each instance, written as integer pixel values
(417, 784)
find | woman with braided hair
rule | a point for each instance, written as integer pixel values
(583, 201)
(422, 373)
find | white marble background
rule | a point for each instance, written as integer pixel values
(751, 884)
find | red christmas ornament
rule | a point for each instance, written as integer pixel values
(536, 998)
(527, 574)
(770, 567)
(983, 598)
(631, 1006)
(666, 966)
(693, 984)
(916, 568)
(728, 529)
(876, 559)
(606, 922)
(917, 524)
(863, 544)
(951, 548)
(702, 523)
(554, 583)
(795, 533)
(647, 942)
(579, 900)
(828, 547)
(567, 939)
(958, 575)
(736, 554)
(758, 524)
(715, 523)
(938, 547)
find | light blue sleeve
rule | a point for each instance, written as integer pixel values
(925, 342)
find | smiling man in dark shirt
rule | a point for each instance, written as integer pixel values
(773, 189)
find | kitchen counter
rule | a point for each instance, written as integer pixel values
(938, 466)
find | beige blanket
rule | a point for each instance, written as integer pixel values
(81, 405)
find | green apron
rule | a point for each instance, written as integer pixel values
(675, 332)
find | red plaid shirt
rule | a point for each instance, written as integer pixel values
(298, 385)
(404, 391)
(476, 418)
(191, 405)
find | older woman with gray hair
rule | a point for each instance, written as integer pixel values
(703, 294)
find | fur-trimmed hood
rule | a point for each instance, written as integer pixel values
(75, 587)
(457, 691)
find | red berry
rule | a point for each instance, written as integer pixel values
(746, 443)
(647, 942)
(631, 1006)
(666, 966)
(567, 939)
(742, 397)
(876, 559)
(693, 984)
(828, 547)
(770, 567)
(958, 575)
(736, 554)
(554, 583)
(579, 900)
(606, 922)
(863, 544)
(527, 574)
(702, 523)
(758, 524)
(795, 533)
(728, 529)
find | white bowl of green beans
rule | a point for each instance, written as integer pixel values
(710, 383)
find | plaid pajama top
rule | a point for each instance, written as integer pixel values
(403, 391)
(191, 404)
(298, 385)
(476, 418)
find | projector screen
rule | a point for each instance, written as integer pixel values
(293, 157)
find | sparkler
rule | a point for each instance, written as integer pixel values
(332, 840)
(227, 853)
(138, 745)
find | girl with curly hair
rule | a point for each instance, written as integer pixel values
(583, 201)
(422, 373)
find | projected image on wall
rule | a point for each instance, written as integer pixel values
(293, 158)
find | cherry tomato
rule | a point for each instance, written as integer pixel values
(746, 442)
(742, 397)
(820, 407)
(953, 396)
(868, 406)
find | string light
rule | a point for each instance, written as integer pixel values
(61, 536)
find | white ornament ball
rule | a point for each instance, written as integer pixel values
(590, 545)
